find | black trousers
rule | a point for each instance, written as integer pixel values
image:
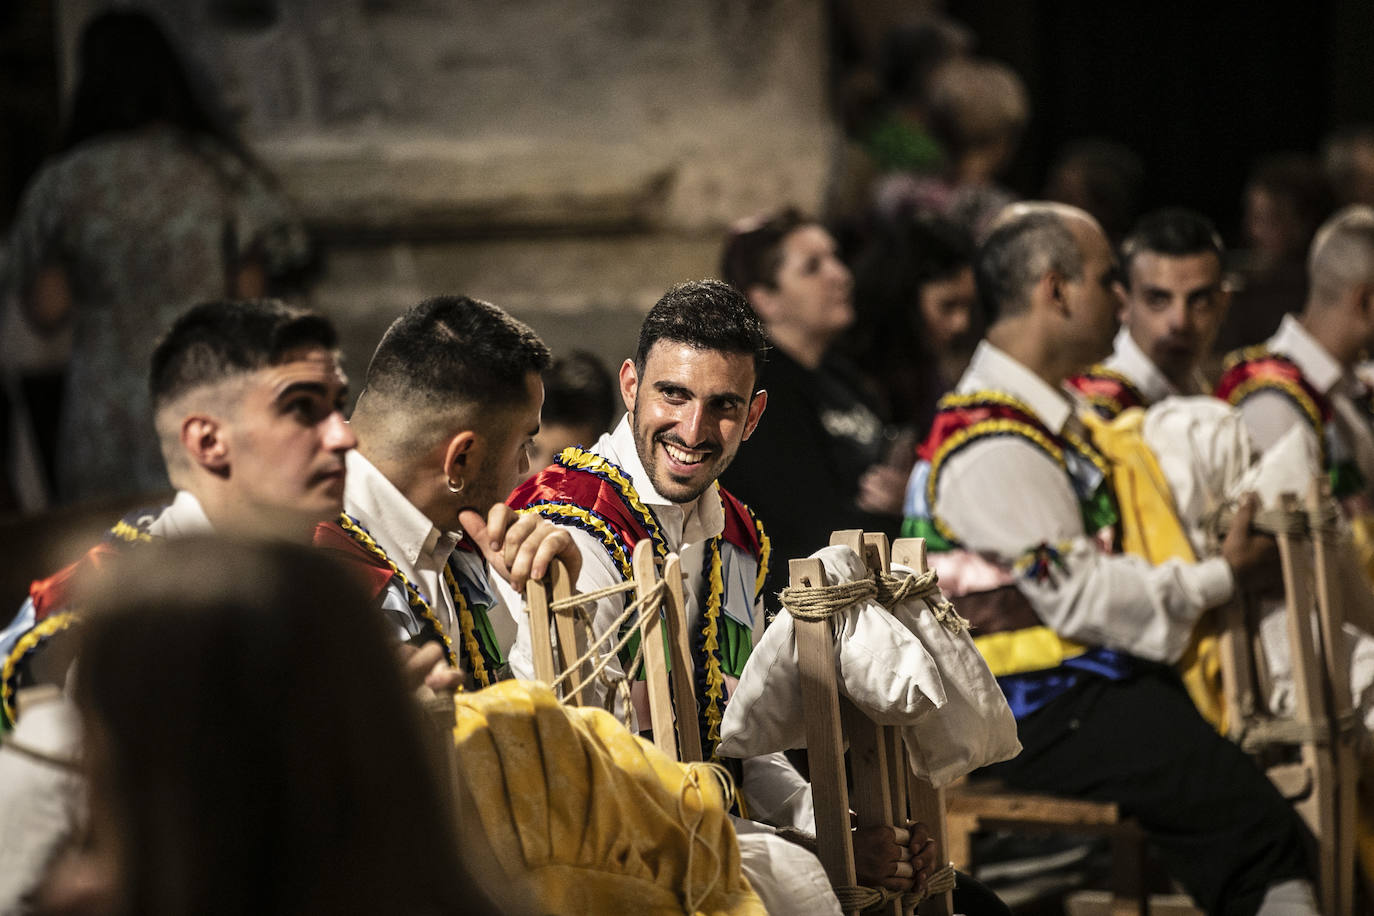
(1220, 827)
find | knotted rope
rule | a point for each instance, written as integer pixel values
(926, 586)
(826, 601)
(584, 598)
(639, 609)
(823, 602)
(1324, 520)
(1256, 734)
(857, 897)
(691, 781)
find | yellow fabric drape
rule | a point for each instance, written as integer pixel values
(598, 820)
(1362, 535)
(1150, 528)
(1028, 649)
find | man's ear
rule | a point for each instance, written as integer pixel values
(1223, 303)
(1121, 293)
(629, 384)
(460, 455)
(1364, 297)
(1053, 287)
(205, 442)
(756, 407)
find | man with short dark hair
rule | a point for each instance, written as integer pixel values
(690, 392)
(247, 399)
(1173, 302)
(444, 422)
(1080, 636)
(690, 395)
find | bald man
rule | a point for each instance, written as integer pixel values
(1304, 376)
(1079, 635)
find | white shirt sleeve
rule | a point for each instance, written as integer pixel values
(21, 624)
(1268, 416)
(40, 803)
(1004, 497)
(788, 878)
(396, 610)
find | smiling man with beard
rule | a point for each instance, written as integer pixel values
(690, 395)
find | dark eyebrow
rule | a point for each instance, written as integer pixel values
(723, 397)
(318, 389)
(729, 397)
(672, 388)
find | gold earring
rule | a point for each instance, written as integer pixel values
(456, 489)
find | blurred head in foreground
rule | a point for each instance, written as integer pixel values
(250, 746)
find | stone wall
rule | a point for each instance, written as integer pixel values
(566, 160)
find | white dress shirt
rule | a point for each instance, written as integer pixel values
(686, 527)
(420, 551)
(43, 804)
(1128, 359)
(774, 790)
(1003, 497)
(1269, 415)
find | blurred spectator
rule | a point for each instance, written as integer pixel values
(250, 746)
(1348, 159)
(580, 402)
(818, 459)
(151, 205)
(1102, 177)
(919, 318)
(977, 111)
(1286, 199)
(884, 109)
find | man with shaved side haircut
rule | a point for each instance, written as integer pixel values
(1304, 376)
(445, 421)
(246, 400)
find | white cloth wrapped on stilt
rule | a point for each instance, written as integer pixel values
(899, 666)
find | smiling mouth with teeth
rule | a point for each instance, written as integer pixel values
(684, 456)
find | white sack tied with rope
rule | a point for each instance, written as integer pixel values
(901, 667)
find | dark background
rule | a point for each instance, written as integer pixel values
(1199, 90)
